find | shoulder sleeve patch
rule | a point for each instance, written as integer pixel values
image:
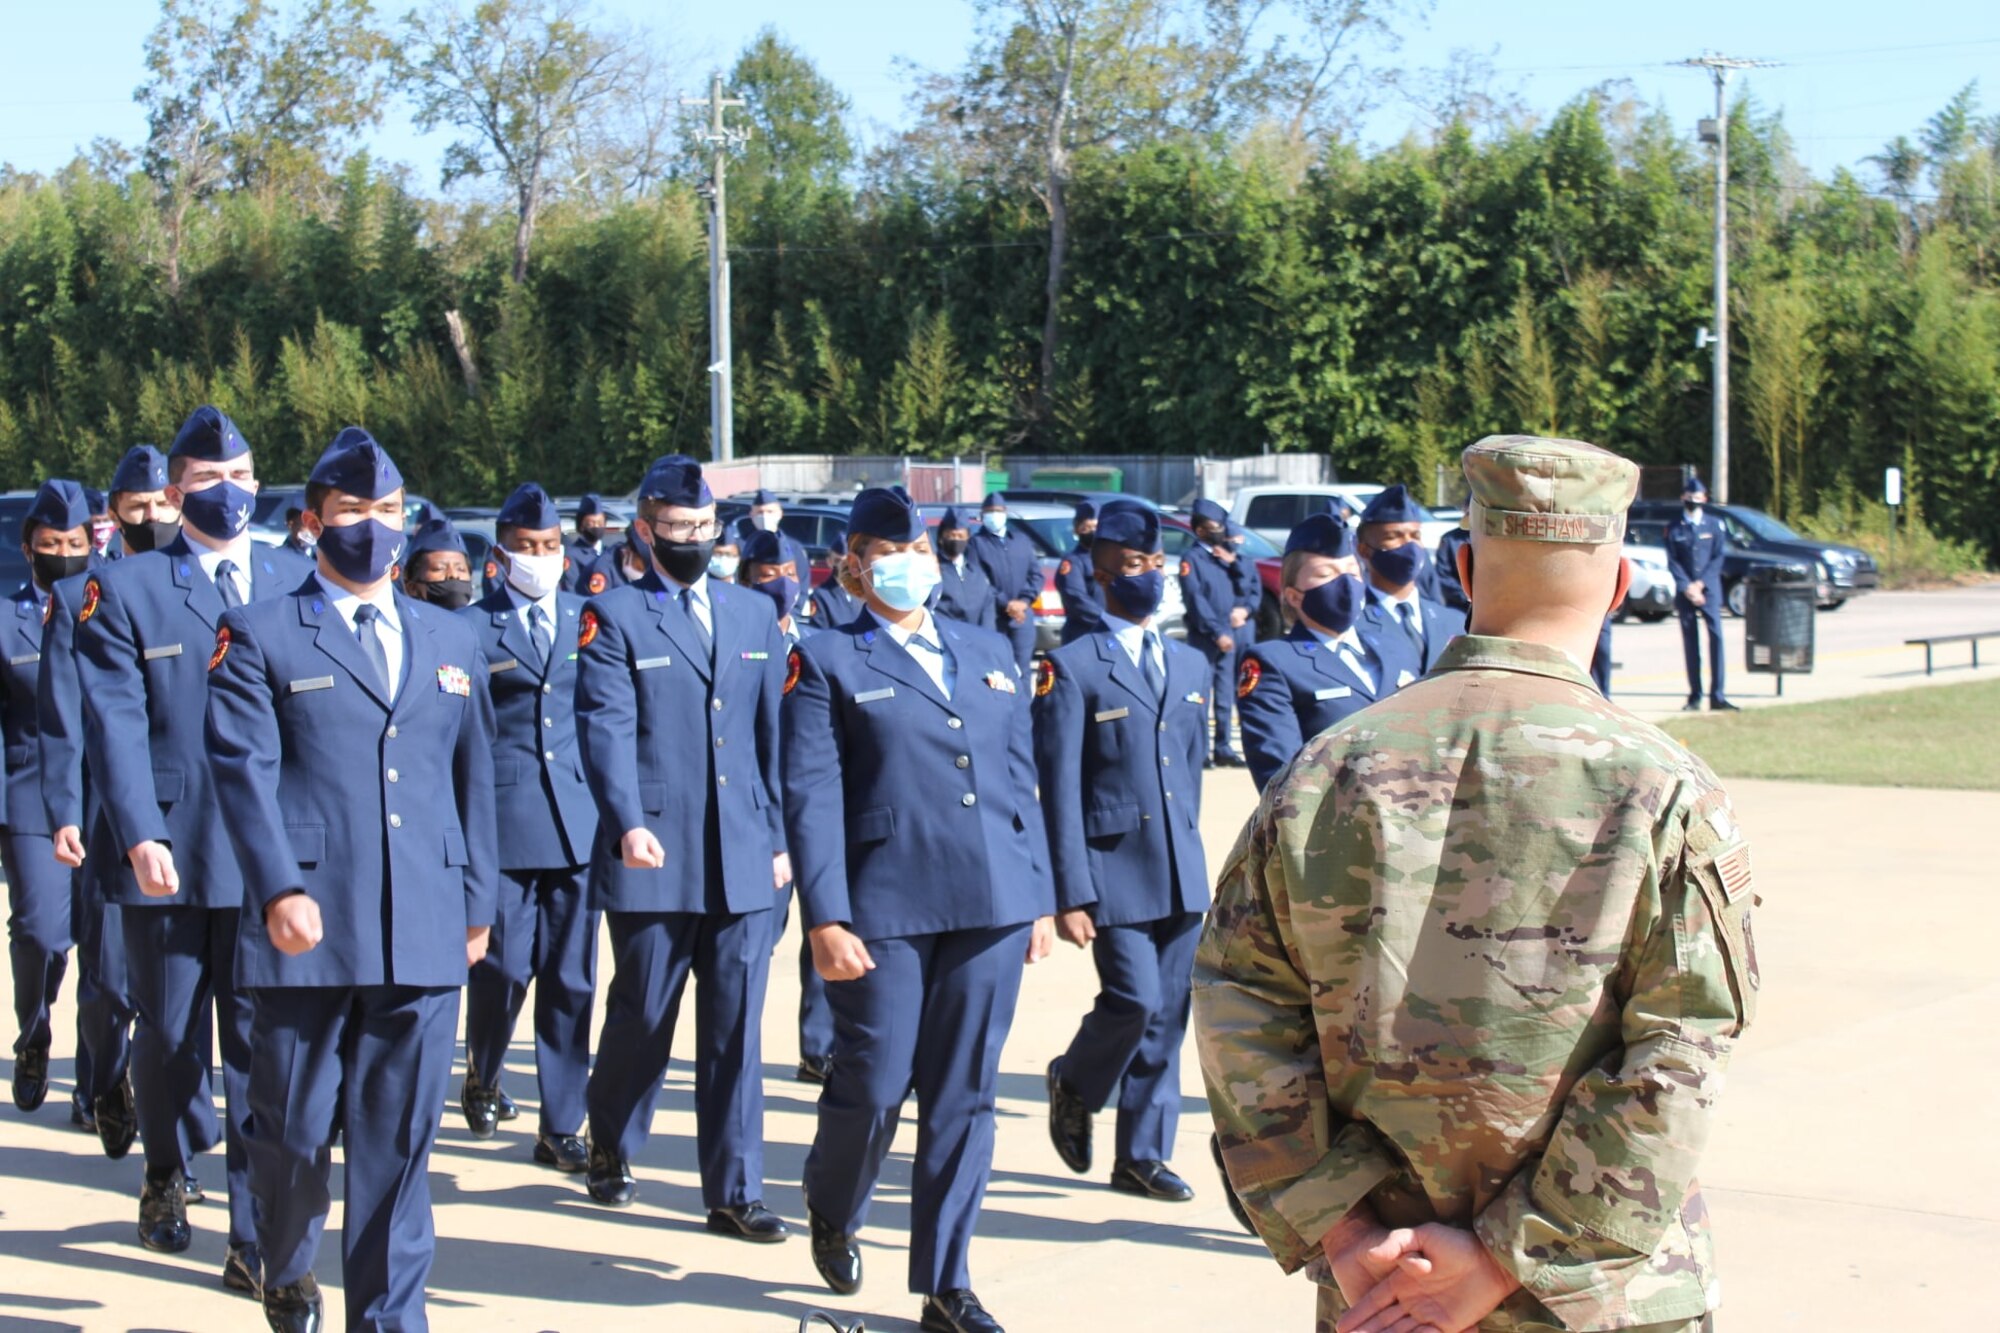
(492, 571)
(221, 648)
(1187, 568)
(1247, 677)
(1063, 568)
(597, 582)
(792, 671)
(586, 633)
(1045, 677)
(92, 594)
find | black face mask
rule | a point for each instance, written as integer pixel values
(592, 535)
(52, 568)
(141, 537)
(951, 548)
(451, 594)
(684, 561)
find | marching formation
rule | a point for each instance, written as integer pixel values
(294, 802)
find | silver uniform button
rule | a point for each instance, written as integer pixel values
(548, 689)
(968, 799)
(716, 705)
(548, 722)
(395, 821)
(965, 761)
(392, 731)
(953, 723)
(393, 775)
(549, 755)
(722, 781)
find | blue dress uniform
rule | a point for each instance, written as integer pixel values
(679, 734)
(142, 638)
(1210, 591)
(794, 551)
(39, 888)
(1409, 633)
(943, 891)
(1083, 606)
(356, 1032)
(832, 606)
(964, 593)
(1449, 590)
(1119, 745)
(544, 930)
(582, 555)
(1014, 568)
(1696, 545)
(609, 570)
(104, 1007)
(1292, 689)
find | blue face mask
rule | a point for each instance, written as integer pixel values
(1333, 605)
(784, 592)
(361, 552)
(1140, 594)
(994, 521)
(220, 512)
(904, 579)
(1398, 566)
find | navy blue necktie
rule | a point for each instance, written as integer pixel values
(225, 583)
(371, 644)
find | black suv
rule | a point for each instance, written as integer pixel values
(1841, 571)
(1737, 561)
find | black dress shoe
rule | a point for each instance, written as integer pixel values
(481, 1105)
(505, 1109)
(1722, 706)
(957, 1311)
(1069, 1122)
(1229, 759)
(243, 1270)
(1692, 706)
(834, 1254)
(748, 1221)
(610, 1179)
(80, 1114)
(1154, 1180)
(295, 1307)
(815, 1068)
(564, 1152)
(31, 1077)
(117, 1119)
(1236, 1208)
(191, 1188)
(163, 1218)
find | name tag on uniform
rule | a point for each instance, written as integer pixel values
(24, 659)
(1112, 714)
(649, 663)
(1333, 692)
(870, 696)
(171, 650)
(499, 667)
(311, 683)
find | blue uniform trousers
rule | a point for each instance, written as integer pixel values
(104, 1009)
(815, 1014)
(931, 1018)
(1130, 1041)
(1222, 690)
(1600, 661)
(544, 932)
(38, 932)
(376, 1061)
(180, 960)
(1711, 612)
(652, 954)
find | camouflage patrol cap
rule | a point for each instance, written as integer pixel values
(1528, 488)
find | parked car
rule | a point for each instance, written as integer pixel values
(1273, 511)
(1842, 572)
(1737, 561)
(267, 512)
(1651, 596)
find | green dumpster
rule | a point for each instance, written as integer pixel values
(1078, 479)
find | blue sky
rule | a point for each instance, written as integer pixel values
(1853, 75)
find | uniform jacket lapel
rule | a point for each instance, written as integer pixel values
(894, 661)
(195, 585)
(514, 638)
(665, 604)
(421, 659)
(1124, 673)
(337, 641)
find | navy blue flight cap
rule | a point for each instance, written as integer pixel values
(762, 497)
(436, 535)
(529, 507)
(356, 465)
(1208, 511)
(59, 504)
(993, 501)
(1085, 509)
(1321, 534)
(210, 436)
(953, 521)
(763, 548)
(99, 502)
(1693, 486)
(590, 506)
(1129, 524)
(676, 480)
(1392, 505)
(143, 468)
(887, 512)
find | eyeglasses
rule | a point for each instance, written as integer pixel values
(688, 531)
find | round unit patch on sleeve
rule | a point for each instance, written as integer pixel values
(1063, 568)
(492, 571)
(1045, 677)
(1187, 568)
(587, 632)
(91, 596)
(1247, 677)
(792, 671)
(221, 648)
(597, 582)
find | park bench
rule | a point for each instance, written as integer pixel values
(1930, 643)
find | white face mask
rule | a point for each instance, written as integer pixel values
(534, 576)
(767, 521)
(723, 566)
(995, 522)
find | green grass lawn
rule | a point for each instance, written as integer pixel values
(1936, 736)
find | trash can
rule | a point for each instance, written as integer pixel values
(1778, 617)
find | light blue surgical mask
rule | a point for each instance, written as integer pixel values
(994, 521)
(904, 579)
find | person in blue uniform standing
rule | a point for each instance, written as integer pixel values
(436, 567)
(1289, 690)
(1216, 619)
(1445, 562)
(55, 538)
(921, 913)
(767, 512)
(964, 594)
(1083, 605)
(348, 737)
(142, 633)
(1121, 728)
(586, 546)
(544, 930)
(624, 562)
(1696, 545)
(103, 523)
(677, 715)
(1014, 568)
(1411, 628)
(147, 516)
(830, 606)
(767, 569)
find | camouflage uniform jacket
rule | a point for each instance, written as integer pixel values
(1480, 958)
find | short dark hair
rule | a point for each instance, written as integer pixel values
(316, 493)
(176, 469)
(502, 531)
